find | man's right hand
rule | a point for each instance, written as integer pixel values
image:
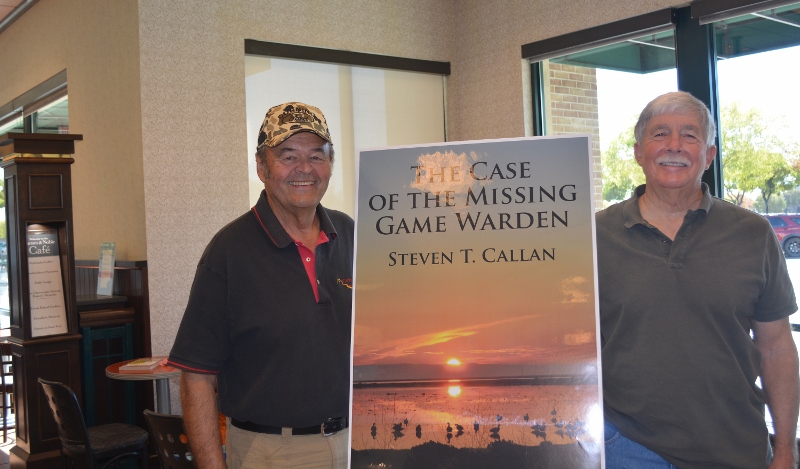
(199, 401)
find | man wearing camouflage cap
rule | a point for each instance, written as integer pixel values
(268, 321)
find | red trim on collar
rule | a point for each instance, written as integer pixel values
(258, 217)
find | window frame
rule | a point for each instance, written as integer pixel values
(344, 57)
(39, 97)
(695, 54)
(264, 49)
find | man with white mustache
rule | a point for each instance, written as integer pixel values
(684, 278)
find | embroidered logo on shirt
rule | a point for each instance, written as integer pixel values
(347, 282)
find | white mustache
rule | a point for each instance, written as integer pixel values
(672, 160)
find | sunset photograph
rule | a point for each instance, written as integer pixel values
(475, 330)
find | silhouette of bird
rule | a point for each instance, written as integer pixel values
(553, 412)
(476, 426)
(397, 431)
(449, 428)
(419, 431)
(374, 430)
(405, 421)
(494, 432)
(525, 417)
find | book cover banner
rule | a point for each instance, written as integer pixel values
(476, 331)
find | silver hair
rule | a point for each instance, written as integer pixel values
(677, 102)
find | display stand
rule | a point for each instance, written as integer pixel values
(45, 338)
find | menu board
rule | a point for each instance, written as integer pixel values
(476, 333)
(48, 313)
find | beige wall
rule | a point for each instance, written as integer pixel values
(97, 43)
(485, 91)
(162, 108)
(193, 111)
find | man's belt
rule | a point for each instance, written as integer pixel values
(326, 428)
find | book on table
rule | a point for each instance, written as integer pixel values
(142, 364)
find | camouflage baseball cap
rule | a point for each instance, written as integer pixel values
(284, 120)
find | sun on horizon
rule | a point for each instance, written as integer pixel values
(454, 362)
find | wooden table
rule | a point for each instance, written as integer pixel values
(159, 374)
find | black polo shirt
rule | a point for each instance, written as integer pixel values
(280, 357)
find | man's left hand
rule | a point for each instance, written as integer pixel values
(781, 383)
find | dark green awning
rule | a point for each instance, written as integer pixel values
(748, 34)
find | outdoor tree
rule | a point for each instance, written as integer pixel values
(739, 143)
(792, 199)
(621, 172)
(754, 157)
(776, 204)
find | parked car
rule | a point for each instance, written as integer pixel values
(787, 228)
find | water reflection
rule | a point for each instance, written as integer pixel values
(465, 416)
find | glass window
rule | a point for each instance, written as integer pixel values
(364, 107)
(600, 92)
(13, 126)
(758, 61)
(50, 118)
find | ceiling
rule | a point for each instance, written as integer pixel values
(10, 10)
(7, 6)
(772, 29)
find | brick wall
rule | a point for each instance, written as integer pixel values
(571, 108)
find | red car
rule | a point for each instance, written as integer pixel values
(787, 227)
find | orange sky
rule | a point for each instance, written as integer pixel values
(476, 311)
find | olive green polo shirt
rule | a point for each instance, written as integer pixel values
(679, 363)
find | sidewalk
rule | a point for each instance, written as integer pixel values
(5, 447)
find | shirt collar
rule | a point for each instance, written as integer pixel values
(272, 226)
(633, 216)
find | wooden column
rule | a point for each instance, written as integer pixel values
(38, 192)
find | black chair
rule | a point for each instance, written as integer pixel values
(98, 446)
(170, 439)
(6, 388)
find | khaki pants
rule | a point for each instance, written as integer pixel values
(250, 450)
